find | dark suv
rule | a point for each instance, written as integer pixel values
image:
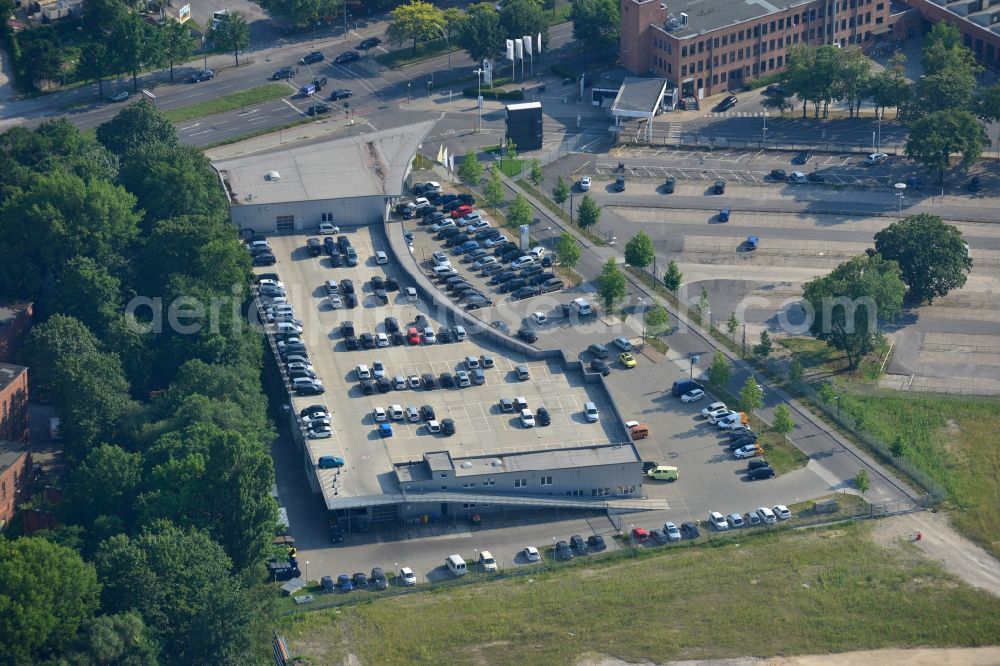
(726, 104)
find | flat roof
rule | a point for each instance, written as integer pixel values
(11, 310)
(977, 13)
(524, 105)
(708, 15)
(9, 373)
(371, 164)
(11, 452)
(639, 95)
(523, 461)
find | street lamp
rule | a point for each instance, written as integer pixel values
(694, 360)
(447, 43)
(408, 84)
(642, 305)
(900, 189)
(479, 100)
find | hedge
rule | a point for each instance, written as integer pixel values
(492, 93)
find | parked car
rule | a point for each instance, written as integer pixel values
(369, 43)
(673, 534)
(801, 158)
(690, 530)
(340, 93)
(347, 57)
(692, 396)
(201, 75)
(759, 473)
(719, 187)
(597, 365)
(875, 159)
(585, 184)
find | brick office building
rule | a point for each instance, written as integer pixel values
(716, 45)
(977, 20)
(15, 320)
(15, 472)
(15, 452)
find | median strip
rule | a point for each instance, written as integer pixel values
(230, 102)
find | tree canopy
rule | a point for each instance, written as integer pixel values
(933, 259)
(417, 20)
(567, 250)
(596, 23)
(639, 251)
(611, 284)
(935, 137)
(303, 13)
(480, 34)
(589, 212)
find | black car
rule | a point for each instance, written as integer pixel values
(367, 387)
(816, 177)
(746, 432)
(310, 389)
(563, 551)
(758, 463)
(391, 325)
(444, 335)
(597, 365)
(346, 327)
(448, 426)
(533, 269)
(975, 184)
(620, 184)
(504, 247)
(467, 199)
(336, 259)
(384, 385)
(741, 442)
(381, 295)
(658, 536)
(351, 300)
(376, 282)
(359, 580)
(348, 56)
(541, 279)
(726, 104)
(264, 260)
(310, 58)
(576, 542)
(512, 285)
(428, 381)
(596, 542)
(524, 292)
(369, 43)
(801, 158)
(351, 343)
(447, 381)
(542, 416)
(313, 409)
(367, 340)
(427, 413)
(347, 286)
(527, 335)
(778, 174)
(379, 581)
(690, 530)
(719, 187)
(478, 302)
(317, 109)
(201, 75)
(391, 284)
(669, 184)
(648, 465)
(433, 217)
(336, 532)
(451, 205)
(448, 232)
(397, 338)
(760, 473)
(283, 73)
(505, 276)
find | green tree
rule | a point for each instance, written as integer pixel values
(232, 34)
(480, 35)
(416, 20)
(639, 251)
(826, 393)
(87, 291)
(105, 483)
(135, 45)
(453, 19)
(720, 371)
(560, 193)
(732, 325)
(134, 128)
(795, 371)
(176, 44)
(519, 212)
(180, 581)
(783, 423)
(596, 23)
(751, 396)
(524, 17)
(898, 447)
(589, 213)
(936, 136)
(494, 192)
(932, 256)
(853, 77)
(889, 87)
(510, 149)
(657, 320)
(42, 54)
(536, 176)
(849, 302)
(470, 171)
(122, 639)
(46, 592)
(567, 250)
(303, 13)
(673, 278)
(49, 345)
(765, 347)
(611, 284)
(988, 103)
(94, 64)
(861, 482)
(705, 306)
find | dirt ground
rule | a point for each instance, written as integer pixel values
(987, 656)
(941, 542)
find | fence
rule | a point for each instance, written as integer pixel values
(714, 141)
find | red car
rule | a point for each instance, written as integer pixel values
(639, 534)
(412, 336)
(461, 211)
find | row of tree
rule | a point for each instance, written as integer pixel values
(166, 517)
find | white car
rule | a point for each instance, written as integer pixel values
(381, 257)
(460, 334)
(440, 259)
(748, 451)
(433, 427)
(766, 515)
(363, 372)
(381, 340)
(443, 224)
(539, 318)
(521, 262)
(585, 184)
(718, 415)
(531, 554)
(412, 414)
(736, 520)
(714, 408)
(691, 396)
(718, 521)
(429, 337)
(463, 379)
(277, 284)
(471, 218)
(411, 294)
(378, 370)
(396, 412)
(782, 512)
(537, 252)
(527, 418)
(328, 229)
(315, 417)
(407, 576)
(299, 365)
(797, 177)
(673, 534)
(413, 381)
(335, 301)
(727, 422)
(399, 383)
(379, 415)
(479, 225)
(622, 343)
(875, 158)
(590, 410)
(321, 432)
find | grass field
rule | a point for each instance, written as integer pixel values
(229, 102)
(812, 591)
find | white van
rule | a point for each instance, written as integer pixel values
(279, 300)
(456, 565)
(259, 244)
(287, 327)
(487, 562)
(444, 271)
(582, 307)
(305, 381)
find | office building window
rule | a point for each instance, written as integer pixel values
(546, 480)
(520, 483)
(489, 482)
(326, 217)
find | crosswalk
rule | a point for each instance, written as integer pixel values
(735, 114)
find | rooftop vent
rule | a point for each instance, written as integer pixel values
(466, 465)
(497, 463)
(273, 175)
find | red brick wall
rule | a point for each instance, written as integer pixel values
(12, 481)
(634, 41)
(14, 410)
(12, 334)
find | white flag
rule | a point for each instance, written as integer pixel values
(445, 162)
(527, 44)
(451, 163)
(487, 73)
(539, 42)
(519, 48)
(510, 49)
(440, 158)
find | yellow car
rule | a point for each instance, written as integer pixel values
(628, 360)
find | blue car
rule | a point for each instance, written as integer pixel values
(344, 583)
(330, 462)
(385, 429)
(752, 242)
(724, 215)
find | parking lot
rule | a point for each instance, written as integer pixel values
(481, 427)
